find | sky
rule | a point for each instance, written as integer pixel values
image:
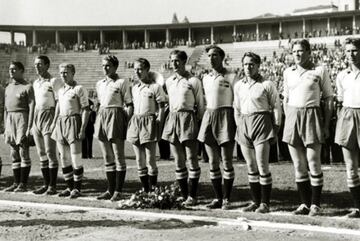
(133, 12)
(128, 12)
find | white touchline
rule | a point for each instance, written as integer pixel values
(189, 218)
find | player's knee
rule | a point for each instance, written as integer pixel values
(51, 155)
(109, 158)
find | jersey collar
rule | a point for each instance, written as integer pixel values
(47, 76)
(115, 77)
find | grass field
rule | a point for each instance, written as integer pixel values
(336, 199)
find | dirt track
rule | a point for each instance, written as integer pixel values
(30, 223)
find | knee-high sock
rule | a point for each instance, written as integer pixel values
(53, 176)
(182, 179)
(78, 176)
(16, 167)
(24, 174)
(316, 187)
(229, 176)
(153, 174)
(111, 179)
(120, 179)
(266, 184)
(144, 178)
(194, 176)
(216, 181)
(355, 193)
(68, 173)
(304, 189)
(255, 187)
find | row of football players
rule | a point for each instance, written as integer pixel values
(247, 111)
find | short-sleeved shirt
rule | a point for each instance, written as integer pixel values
(255, 96)
(348, 88)
(113, 92)
(45, 89)
(185, 93)
(218, 89)
(72, 99)
(146, 97)
(304, 87)
(18, 95)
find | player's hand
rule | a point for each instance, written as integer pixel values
(276, 129)
(28, 132)
(81, 134)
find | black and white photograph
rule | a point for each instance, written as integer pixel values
(167, 120)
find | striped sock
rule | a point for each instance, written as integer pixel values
(266, 185)
(120, 179)
(194, 176)
(316, 187)
(216, 181)
(68, 173)
(304, 189)
(16, 167)
(144, 178)
(78, 176)
(182, 179)
(229, 176)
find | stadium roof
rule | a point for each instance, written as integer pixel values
(319, 7)
(250, 21)
(267, 15)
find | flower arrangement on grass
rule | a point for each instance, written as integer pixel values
(162, 197)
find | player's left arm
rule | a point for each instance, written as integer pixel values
(161, 100)
(339, 94)
(128, 99)
(328, 97)
(56, 116)
(31, 99)
(199, 98)
(274, 99)
(85, 111)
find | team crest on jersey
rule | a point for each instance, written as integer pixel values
(224, 83)
(187, 86)
(21, 95)
(314, 77)
(147, 94)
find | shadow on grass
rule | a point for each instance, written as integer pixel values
(335, 203)
(147, 224)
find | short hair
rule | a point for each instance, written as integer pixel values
(112, 59)
(18, 65)
(68, 66)
(44, 58)
(304, 43)
(144, 62)
(179, 53)
(353, 41)
(216, 48)
(256, 58)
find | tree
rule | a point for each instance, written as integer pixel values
(175, 19)
(186, 20)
